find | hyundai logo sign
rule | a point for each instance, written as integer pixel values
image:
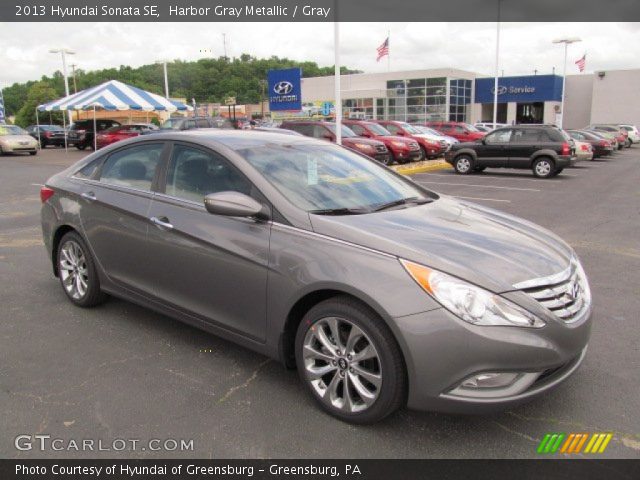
(513, 90)
(501, 90)
(283, 88)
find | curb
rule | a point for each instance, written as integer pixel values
(422, 167)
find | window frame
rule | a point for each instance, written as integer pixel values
(97, 174)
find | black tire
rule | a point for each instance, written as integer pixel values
(480, 169)
(543, 167)
(92, 295)
(463, 164)
(81, 146)
(35, 152)
(391, 395)
(423, 153)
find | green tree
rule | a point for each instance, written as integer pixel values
(38, 93)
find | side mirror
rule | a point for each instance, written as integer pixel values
(365, 134)
(233, 204)
(401, 133)
(327, 136)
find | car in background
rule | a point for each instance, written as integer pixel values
(47, 134)
(191, 123)
(430, 148)
(488, 126)
(545, 149)
(483, 129)
(622, 136)
(282, 131)
(81, 132)
(609, 136)
(584, 150)
(600, 146)
(445, 140)
(122, 132)
(464, 132)
(14, 139)
(327, 131)
(632, 130)
(402, 149)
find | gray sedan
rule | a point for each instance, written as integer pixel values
(380, 292)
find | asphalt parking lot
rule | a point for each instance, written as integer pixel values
(120, 371)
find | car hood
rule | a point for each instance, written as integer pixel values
(483, 246)
(426, 136)
(17, 139)
(366, 141)
(395, 138)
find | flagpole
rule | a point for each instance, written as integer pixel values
(495, 80)
(338, 99)
(388, 50)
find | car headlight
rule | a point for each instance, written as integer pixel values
(469, 302)
(399, 144)
(363, 146)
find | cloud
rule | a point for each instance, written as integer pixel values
(525, 47)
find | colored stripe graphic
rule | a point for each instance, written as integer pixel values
(574, 442)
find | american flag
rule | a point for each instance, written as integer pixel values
(582, 62)
(383, 49)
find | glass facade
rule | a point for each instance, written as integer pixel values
(416, 100)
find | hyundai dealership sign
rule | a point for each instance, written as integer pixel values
(532, 88)
(284, 89)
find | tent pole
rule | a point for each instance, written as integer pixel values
(95, 131)
(64, 126)
(38, 128)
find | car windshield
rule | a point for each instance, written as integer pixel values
(50, 128)
(407, 127)
(378, 130)
(346, 131)
(331, 180)
(11, 130)
(428, 130)
(470, 127)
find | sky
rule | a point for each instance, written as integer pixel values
(524, 47)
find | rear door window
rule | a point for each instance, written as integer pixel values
(392, 128)
(133, 167)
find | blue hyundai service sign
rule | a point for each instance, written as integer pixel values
(284, 89)
(525, 89)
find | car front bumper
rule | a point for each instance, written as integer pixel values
(442, 351)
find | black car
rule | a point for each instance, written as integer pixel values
(191, 123)
(545, 149)
(81, 133)
(47, 134)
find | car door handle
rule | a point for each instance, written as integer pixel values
(162, 222)
(89, 196)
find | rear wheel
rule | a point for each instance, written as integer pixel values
(81, 146)
(463, 164)
(349, 361)
(35, 152)
(480, 169)
(543, 167)
(77, 272)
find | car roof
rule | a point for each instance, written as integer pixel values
(236, 139)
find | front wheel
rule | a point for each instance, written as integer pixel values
(463, 164)
(349, 361)
(543, 167)
(35, 152)
(81, 146)
(77, 272)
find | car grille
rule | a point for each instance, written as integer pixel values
(414, 146)
(381, 149)
(566, 294)
(443, 143)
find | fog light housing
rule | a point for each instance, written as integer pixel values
(494, 384)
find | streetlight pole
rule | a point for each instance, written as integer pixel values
(166, 78)
(495, 80)
(64, 52)
(567, 42)
(338, 96)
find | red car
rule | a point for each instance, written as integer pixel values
(326, 131)
(429, 148)
(122, 132)
(402, 150)
(461, 131)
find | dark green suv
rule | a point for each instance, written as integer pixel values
(545, 149)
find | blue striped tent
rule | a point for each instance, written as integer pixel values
(114, 95)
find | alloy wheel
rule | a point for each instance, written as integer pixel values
(543, 168)
(73, 270)
(342, 365)
(463, 164)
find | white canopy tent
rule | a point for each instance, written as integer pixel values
(112, 95)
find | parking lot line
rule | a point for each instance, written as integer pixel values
(485, 199)
(481, 186)
(488, 175)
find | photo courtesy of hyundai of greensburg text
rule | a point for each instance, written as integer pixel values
(300, 240)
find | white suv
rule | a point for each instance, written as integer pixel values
(634, 135)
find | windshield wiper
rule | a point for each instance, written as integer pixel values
(402, 201)
(340, 211)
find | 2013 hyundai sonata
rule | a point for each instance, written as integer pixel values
(381, 292)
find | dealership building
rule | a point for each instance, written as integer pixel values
(463, 96)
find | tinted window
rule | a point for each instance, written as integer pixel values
(357, 129)
(194, 173)
(499, 136)
(88, 170)
(526, 135)
(132, 167)
(392, 128)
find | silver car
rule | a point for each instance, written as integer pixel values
(14, 139)
(380, 292)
